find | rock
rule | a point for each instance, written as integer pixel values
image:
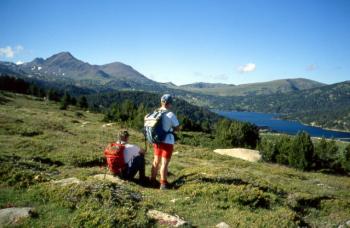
(222, 225)
(108, 125)
(84, 124)
(348, 223)
(166, 219)
(341, 226)
(11, 216)
(110, 178)
(67, 181)
(245, 154)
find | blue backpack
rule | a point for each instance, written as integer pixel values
(153, 127)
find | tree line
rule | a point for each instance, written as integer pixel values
(116, 105)
(129, 108)
(18, 85)
(327, 106)
(302, 153)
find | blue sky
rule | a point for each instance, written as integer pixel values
(187, 41)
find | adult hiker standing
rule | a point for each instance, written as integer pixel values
(164, 149)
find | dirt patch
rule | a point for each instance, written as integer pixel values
(245, 154)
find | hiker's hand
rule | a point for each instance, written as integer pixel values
(176, 128)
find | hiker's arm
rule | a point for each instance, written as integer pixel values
(177, 128)
(175, 123)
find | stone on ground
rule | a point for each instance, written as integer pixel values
(222, 225)
(242, 153)
(11, 216)
(68, 181)
(108, 177)
(166, 219)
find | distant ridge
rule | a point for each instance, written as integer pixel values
(201, 85)
(63, 68)
(262, 88)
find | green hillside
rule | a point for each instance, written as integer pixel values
(263, 88)
(327, 106)
(40, 143)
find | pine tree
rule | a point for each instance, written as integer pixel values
(73, 101)
(327, 155)
(65, 101)
(33, 90)
(302, 152)
(346, 159)
(52, 95)
(284, 146)
(233, 133)
(82, 102)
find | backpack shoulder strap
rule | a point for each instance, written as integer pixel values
(115, 148)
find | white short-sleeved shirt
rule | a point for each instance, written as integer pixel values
(169, 122)
(130, 152)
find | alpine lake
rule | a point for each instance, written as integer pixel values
(272, 122)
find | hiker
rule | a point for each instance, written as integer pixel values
(164, 149)
(124, 159)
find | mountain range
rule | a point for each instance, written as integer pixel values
(303, 99)
(64, 68)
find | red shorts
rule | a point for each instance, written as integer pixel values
(163, 150)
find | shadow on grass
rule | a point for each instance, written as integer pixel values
(47, 161)
(4, 100)
(101, 161)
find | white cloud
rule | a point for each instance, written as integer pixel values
(7, 52)
(10, 52)
(249, 67)
(311, 67)
(19, 62)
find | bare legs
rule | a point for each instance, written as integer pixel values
(163, 168)
(155, 166)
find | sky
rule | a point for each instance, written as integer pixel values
(186, 41)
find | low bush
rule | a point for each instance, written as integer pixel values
(230, 133)
(100, 204)
(300, 152)
(21, 173)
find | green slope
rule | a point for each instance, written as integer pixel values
(39, 143)
(327, 106)
(263, 88)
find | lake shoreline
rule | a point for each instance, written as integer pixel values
(275, 124)
(315, 125)
(287, 119)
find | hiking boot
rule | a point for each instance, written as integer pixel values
(145, 182)
(154, 183)
(164, 187)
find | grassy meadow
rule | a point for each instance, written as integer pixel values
(40, 143)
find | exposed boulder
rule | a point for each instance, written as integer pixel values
(108, 177)
(242, 153)
(12, 216)
(67, 181)
(222, 225)
(166, 219)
